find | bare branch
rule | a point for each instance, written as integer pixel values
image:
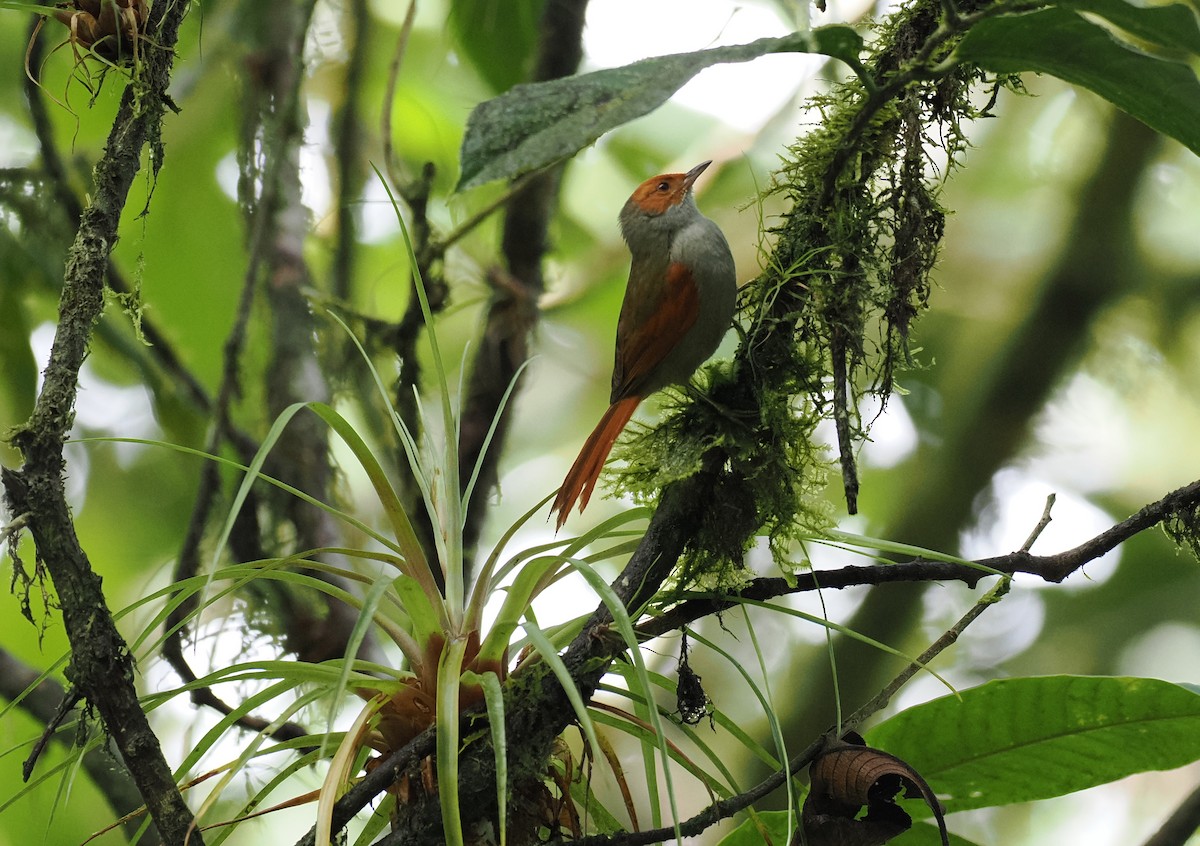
(1041, 524)
(1051, 568)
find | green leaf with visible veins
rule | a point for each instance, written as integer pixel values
(1162, 93)
(1020, 740)
(538, 124)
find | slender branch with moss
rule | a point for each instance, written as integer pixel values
(101, 666)
(534, 702)
(158, 347)
(845, 261)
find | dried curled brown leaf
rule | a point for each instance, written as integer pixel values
(850, 775)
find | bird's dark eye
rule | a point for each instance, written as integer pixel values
(664, 186)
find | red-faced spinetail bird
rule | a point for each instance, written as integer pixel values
(678, 305)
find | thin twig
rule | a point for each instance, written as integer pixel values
(1041, 524)
(70, 698)
(949, 637)
(439, 247)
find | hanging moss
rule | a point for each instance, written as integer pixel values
(829, 321)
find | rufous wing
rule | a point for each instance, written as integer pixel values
(648, 331)
(646, 336)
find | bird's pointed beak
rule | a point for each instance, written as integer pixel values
(691, 175)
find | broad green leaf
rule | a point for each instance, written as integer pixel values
(924, 834)
(1020, 740)
(1164, 95)
(1173, 26)
(750, 832)
(538, 124)
(775, 823)
(499, 37)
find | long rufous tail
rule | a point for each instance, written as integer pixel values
(584, 473)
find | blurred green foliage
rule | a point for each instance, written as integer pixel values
(1059, 353)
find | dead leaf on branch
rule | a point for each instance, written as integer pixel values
(850, 776)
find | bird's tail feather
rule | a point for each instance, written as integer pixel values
(581, 480)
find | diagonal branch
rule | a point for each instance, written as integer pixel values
(101, 666)
(1178, 828)
(1051, 568)
(534, 718)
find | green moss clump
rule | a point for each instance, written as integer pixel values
(828, 323)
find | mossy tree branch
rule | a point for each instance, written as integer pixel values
(158, 347)
(101, 667)
(802, 328)
(537, 710)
